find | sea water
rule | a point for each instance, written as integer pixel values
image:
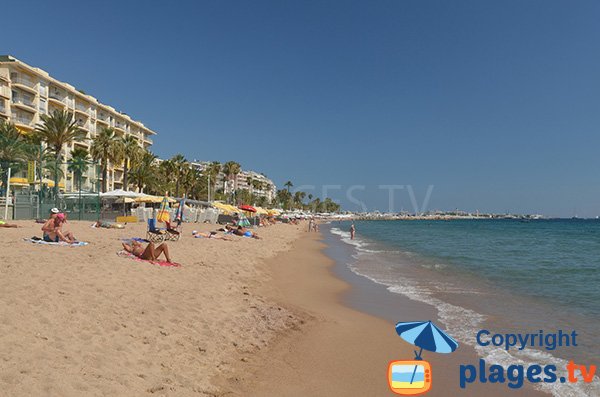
(507, 276)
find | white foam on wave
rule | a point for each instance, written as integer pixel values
(463, 324)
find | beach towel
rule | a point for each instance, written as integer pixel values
(138, 239)
(125, 254)
(37, 240)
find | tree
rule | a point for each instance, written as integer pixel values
(12, 143)
(13, 149)
(284, 198)
(144, 170)
(132, 151)
(106, 148)
(250, 182)
(78, 164)
(180, 167)
(298, 198)
(57, 130)
(231, 169)
(288, 185)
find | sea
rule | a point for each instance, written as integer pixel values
(506, 276)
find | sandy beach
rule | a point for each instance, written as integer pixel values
(84, 321)
(244, 317)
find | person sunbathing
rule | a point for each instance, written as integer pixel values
(48, 229)
(150, 253)
(4, 224)
(59, 234)
(213, 235)
(242, 231)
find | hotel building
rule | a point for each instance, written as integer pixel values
(268, 188)
(27, 92)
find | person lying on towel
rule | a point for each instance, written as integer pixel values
(242, 231)
(150, 253)
(4, 224)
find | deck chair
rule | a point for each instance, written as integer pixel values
(154, 234)
(173, 233)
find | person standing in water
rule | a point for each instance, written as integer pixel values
(352, 232)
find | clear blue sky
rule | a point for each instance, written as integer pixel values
(494, 103)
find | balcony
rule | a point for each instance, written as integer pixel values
(57, 99)
(21, 121)
(82, 109)
(4, 92)
(3, 107)
(82, 124)
(24, 103)
(148, 140)
(24, 83)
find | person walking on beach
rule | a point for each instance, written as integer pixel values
(352, 232)
(311, 221)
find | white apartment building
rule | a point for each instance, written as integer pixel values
(27, 92)
(268, 189)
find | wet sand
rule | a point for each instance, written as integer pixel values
(341, 351)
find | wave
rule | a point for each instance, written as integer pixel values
(462, 323)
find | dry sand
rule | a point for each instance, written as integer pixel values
(83, 321)
(240, 318)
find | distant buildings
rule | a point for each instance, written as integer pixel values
(254, 182)
(27, 92)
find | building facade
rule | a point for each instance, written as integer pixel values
(27, 92)
(252, 181)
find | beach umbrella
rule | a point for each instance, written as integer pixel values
(426, 335)
(247, 208)
(179, 213)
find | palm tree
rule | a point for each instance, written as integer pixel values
(56, 131)
(212, 172)
(298, 197)
(107, 148)
(78, 164)
(181, 166)
(13, 149)
(132, 152)
(231, 169)
(144, 170)
(288, 185)
(12, 143)
(250, 182)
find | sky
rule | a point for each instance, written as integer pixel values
(390, 105)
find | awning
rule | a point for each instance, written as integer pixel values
(226, 208)
(14, 181)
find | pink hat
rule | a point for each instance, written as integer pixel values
(61, 217)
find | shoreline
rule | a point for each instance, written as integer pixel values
(340, 349)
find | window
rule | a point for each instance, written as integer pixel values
(43, 106)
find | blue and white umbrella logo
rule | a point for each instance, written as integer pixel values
(426, 335)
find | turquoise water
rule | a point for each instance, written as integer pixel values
(557, 261)
(507, 276)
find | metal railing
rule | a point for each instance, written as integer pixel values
(23, 101)
(83, 108)
(23, 81)
(57, 97)
(21, 120)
